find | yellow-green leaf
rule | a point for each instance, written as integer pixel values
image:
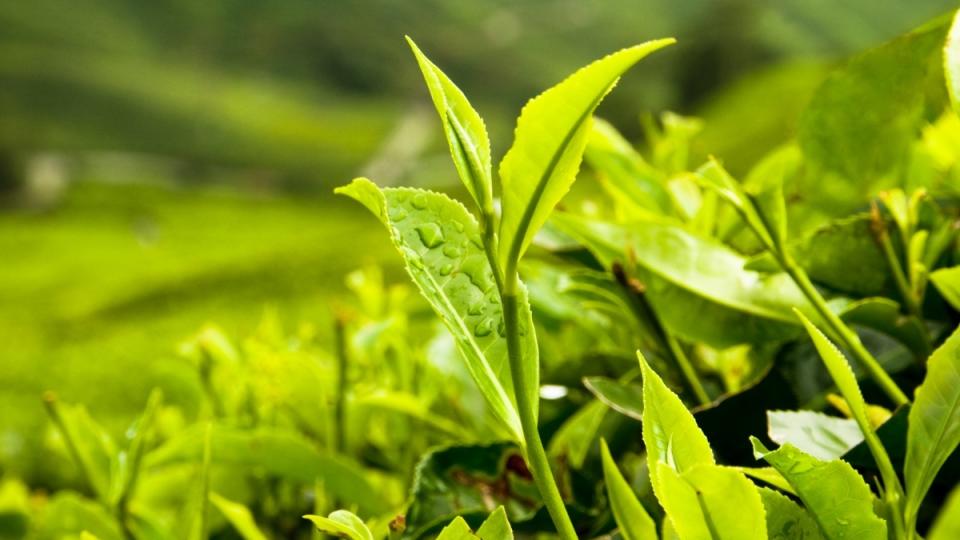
(933, 428)
(342, 523)
(632, 519)
(465, 131)
(548, 145)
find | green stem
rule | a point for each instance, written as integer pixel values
(899, 277)
(340, 405)
(686, 367)
(850, 339)
(533, 449)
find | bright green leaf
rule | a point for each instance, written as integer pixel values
(832, 491)
(947, 281)
(441, 246)
(239, 516)
(951, 62)
(933, 431)
(670, 432)
(712, 502)
(548, 145)
(629, 179)
(342, 523)
(632, 519)
(684, 273)
(947, 524)
(496, 526)
(465, 131)
(786, 520)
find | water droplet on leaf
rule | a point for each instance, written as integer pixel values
(419, 201)
(483, 328)
(430, 234)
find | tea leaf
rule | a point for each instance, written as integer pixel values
(456, 530)
(786, 520)
(712, 502)
(239, 516)
(278, 452)
(575, 437)
(670, 432)
(496, 526)
(625, 398)
(841, 372)
(888, 82)
(465, 131)
(684, 273)
(933, 431)
(947, 281)
(632, 519)
(624, 173)
(89, 445)
(548, 145)
(947, 524)
(821, 436)
(833, 492)
(442, 249)
(951, 62)
(342, 523)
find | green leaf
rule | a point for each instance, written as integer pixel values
(821, 436)
(951, 62)
(768, 475)
(456, 530)
(947, 524)
(786, 520)
(684, 273)
(885, 316)
(712, 502)
(496, 526)
(832, 491)
(343, 524)
(239, 516)
(573, 440)
(947, 281)
(632, 519)
(548, 145)
(278, 452)
(441, 246)
(864, 117)
(465, 131)
(670, 432)
(715, 177)
(89, 445)
(625, 398)
(624, 173)
(842, 374)
(933, 431)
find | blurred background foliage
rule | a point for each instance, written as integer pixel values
(165, 164)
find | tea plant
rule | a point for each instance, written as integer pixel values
(524, 411)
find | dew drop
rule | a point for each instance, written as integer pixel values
(451, 251)
(430, 234)
(458, 226)
(419, 201)
(483, 328)
(445, 269)
(398, 214)
(475, 308)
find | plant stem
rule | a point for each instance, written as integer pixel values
(532, 446)
(689, 373)
(886, 246)
(339, 406)
(850, 339)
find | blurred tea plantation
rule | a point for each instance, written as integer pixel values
(166, 205)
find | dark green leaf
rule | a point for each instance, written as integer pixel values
(632, 519)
